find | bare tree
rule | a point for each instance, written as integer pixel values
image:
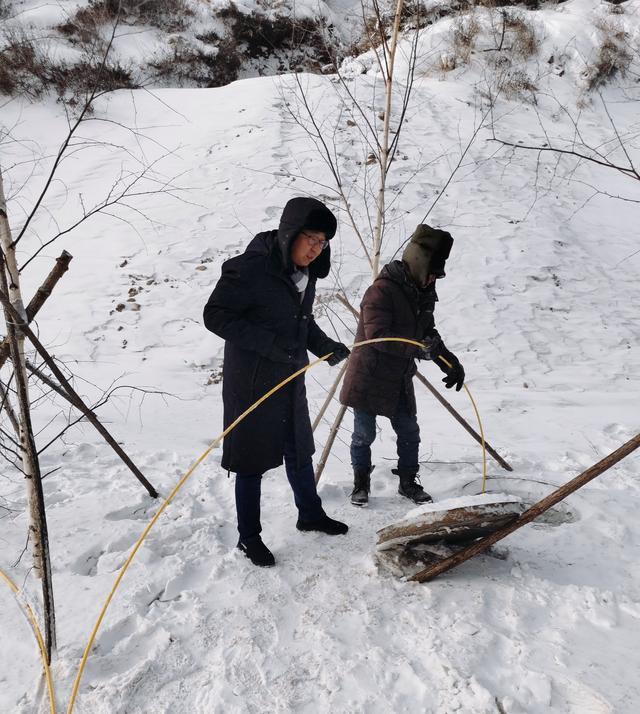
(376, 112)
(38, 533)
(18, 397)
(619, 152)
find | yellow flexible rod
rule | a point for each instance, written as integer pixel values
(475, 409)
(28, 612)
(182, 481)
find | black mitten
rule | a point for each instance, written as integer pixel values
(451, 366)
(340, 352)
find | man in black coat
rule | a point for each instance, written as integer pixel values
(262, 308)
(379, 377)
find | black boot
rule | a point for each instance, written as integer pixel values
(361, 486)
(410, 486)
(257, 552)
(324, 524)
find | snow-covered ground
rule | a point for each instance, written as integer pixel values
(541, 305)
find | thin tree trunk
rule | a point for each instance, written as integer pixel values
(383, 157)
(531, 513)
(38, 533)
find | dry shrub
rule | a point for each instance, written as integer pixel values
(610, 28)
(613, 59)
(27, 70)
(75, 82)
(183, 64)
(447, 62)
(258, 36)
(248, 37)
(465, 32)
(616, 7)
(524, 40)
(168, 15)
(529, 4)
(516, 84)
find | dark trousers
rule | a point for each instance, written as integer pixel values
(407, 432)
(303, 484)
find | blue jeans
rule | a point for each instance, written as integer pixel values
(407, 432)
(302, 481)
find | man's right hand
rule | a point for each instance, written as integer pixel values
(431, 347)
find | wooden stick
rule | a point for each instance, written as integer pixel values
(39, 299)
(463, 422)
(329, 445)
(531, 513)
(330, 394)
(73, 397)
(460, 419)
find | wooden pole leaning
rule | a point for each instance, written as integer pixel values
(39, 299)
(73, 397)
(330, 395)
(329, 445)
(460, 419)
(530, 514)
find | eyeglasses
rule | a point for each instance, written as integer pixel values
(315, 242)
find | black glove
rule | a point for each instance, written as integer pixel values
(455, 372)
(432, 345)
(340, 352)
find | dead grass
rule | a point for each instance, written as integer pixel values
(299, 43)
(185, 65)
(465, 32)
(26, 69)
(523, 38)
(613, 59)
(517, 84)
(168, 15)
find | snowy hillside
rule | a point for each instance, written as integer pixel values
(540, 304)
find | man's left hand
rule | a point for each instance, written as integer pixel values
(454, 371)
(340, 352)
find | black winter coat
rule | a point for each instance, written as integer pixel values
(378, 374)
(253, 307)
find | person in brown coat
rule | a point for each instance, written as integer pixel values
(379, 378)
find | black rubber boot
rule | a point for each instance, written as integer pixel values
(410, 487)
(257, 552)
(324, 524)
(361, 486)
